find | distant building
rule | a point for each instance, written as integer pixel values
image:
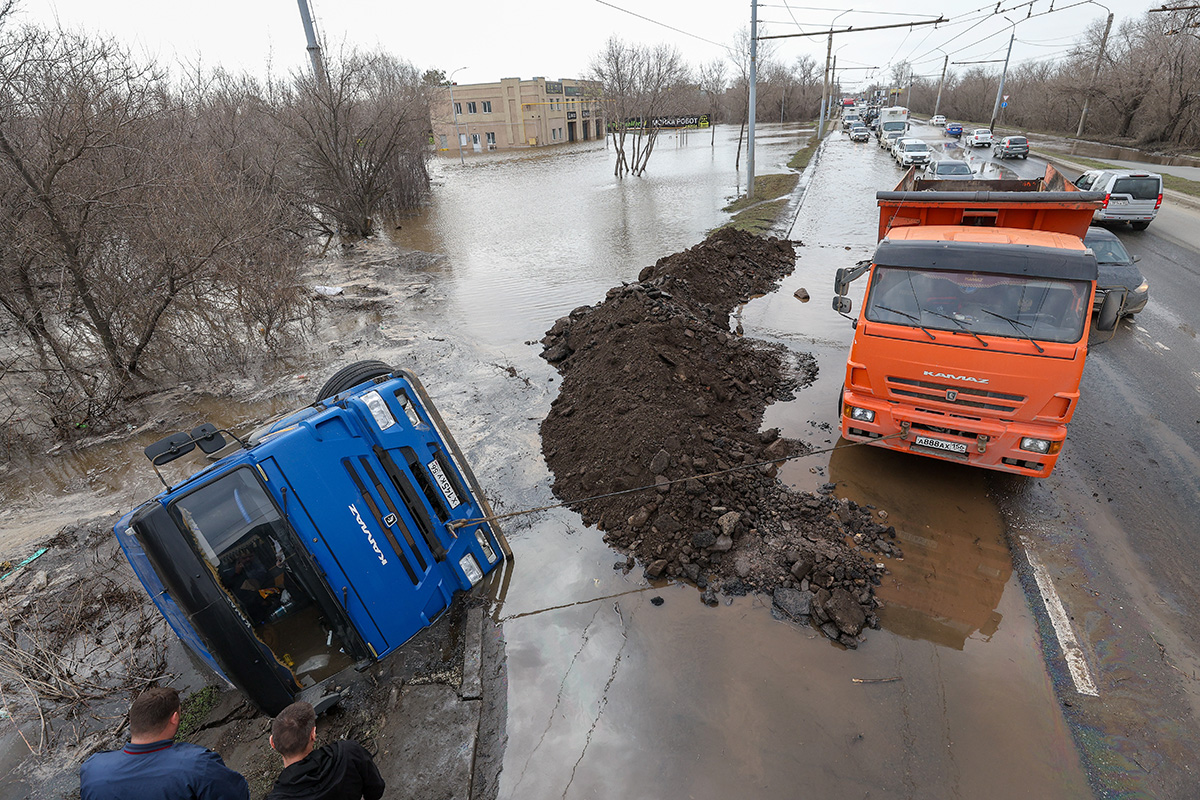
(513, 113)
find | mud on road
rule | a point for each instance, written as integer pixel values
(658, 419)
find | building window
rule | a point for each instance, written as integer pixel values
(487, 106)
(462, 139)
(457, 109)
(491, 139)
(471, 108)
(442, 141)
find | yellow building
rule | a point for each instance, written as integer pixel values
(513, 113)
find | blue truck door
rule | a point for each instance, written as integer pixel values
(365, 532)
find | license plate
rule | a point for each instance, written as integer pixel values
(443, 482)
(1116, 202)
(938, 444)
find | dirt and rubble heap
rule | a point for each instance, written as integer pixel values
(658, 392)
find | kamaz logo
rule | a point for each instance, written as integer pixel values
(953, 377)
(370, 538)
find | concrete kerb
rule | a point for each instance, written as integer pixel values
(1178, 198)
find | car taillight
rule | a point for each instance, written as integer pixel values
(1158, 202)
(1106, 196)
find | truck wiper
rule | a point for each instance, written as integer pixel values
(1014, 323)
(909, 316)
(959, 323)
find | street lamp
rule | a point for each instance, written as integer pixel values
(826, 88)
(1003, 74)
(454, 110)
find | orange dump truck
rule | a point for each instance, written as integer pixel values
(971, 339)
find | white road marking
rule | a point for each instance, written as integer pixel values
(1140, 328)
(1077, 664)
(1163, 346)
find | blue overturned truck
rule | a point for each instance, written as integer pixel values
(325, 540)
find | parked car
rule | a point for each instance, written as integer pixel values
(953, 129)
(911, 151)
(859, 133)
(948, 169)
(1011, 147)
(1116, 271)
(1132, 197)
(980, 137)
(937, 119)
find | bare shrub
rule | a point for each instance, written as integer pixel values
(360, 140)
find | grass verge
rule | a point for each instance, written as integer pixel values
(1172, 182)
(766, 187)
(802, 156)
(758, 219)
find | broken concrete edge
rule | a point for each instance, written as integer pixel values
(471, 687)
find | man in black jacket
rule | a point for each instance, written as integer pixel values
(339, 771)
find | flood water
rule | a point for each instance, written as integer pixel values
(610, 696)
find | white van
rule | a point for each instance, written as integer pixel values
(1132, 197)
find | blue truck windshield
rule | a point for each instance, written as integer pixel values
(243, 537)
(980, 303)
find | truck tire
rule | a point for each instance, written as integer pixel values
(352, 375)
(1139, 226)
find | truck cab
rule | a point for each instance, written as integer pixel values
(324, 540)
(972, 337)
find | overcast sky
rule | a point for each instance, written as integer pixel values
(557, 39)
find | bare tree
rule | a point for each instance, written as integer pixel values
(712, 85)
(361, 140)
(639, 84)
(129, 227)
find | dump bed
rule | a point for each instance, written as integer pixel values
(1049, 203)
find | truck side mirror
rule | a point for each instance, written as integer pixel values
(842, 304)
(840, 284)
(1110, 311)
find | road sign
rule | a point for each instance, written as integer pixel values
(1004, 105)
(1006, 98)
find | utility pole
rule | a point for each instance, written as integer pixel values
(832, 84)
(1095, 74)
(753, 98)
(314, 49)
(938, 103)
(825, 85)
(1003, 75)
(454, 111)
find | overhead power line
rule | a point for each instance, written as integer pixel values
(850, 29)
(663, 24)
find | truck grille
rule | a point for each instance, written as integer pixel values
(964, 396)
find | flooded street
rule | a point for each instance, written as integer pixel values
(611, 695)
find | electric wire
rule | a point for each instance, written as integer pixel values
(509, 514)
(664, 25)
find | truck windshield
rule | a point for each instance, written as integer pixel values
(895, 126)
(243, 537)
(980, 303)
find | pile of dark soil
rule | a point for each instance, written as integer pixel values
(657, 392)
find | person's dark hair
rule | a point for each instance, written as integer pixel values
(152, 710)
(291, 729)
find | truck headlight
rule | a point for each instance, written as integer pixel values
(482, 538)
(1040, 446)
(379, 410)
(862, 414)
(470, 568)
(1145, 287)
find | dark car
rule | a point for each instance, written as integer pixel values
(1117, 271)
(953, 129)
(1011, 147)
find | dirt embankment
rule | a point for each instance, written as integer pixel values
(658, 392)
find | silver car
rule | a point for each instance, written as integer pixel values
(948, 170)
(1132, 197)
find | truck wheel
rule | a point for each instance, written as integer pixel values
(352, 375)
(1139, 226)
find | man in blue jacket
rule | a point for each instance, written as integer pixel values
(153, 766)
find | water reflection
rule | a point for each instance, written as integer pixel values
(529, 236)
(956, 561)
